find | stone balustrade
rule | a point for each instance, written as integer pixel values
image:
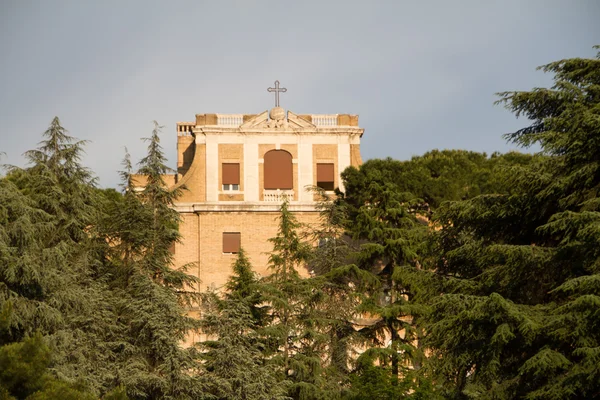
(185, 128)
(277, 196)
(230, 119)
(325, 119)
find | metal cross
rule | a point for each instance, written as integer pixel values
(277, 89)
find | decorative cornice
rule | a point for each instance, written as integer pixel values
(243, 206)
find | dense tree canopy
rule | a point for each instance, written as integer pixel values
(519, 314)
(451, 275)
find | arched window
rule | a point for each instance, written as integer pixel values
(278, 170)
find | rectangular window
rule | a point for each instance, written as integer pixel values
(231, 176)
(325, 176)
(231, 242)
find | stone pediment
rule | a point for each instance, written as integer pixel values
(277, 120)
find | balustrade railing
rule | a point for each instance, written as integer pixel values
(277, 196)
(325, 120)
(230, 119)
(185, 128)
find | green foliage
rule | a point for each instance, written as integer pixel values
(50, 262)
(90, 272)
(24, 373)
(243, 286)
(383, 218)
(517, 316)
(23, 365)
(150, 294)
(436, 176)
(235, 366)
(296, 338)
(371, 381)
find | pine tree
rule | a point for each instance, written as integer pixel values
(517, 317)
(337, 278)
(50, 272)
(150, 294)
(384, 219)
(234, 359)
(244, 286)
(295, 328)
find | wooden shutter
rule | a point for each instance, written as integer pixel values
(231, 242)
(325, 176)
(325, 173)
(231, 174)
(278, 170)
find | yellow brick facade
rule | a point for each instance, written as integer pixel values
(203, 240)
(207, 211)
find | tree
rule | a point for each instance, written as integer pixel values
(337, 278)
(517, 317)
(436, 176)
(296, 338)
(243, 286)
(384, 219)
(150, 294)
(50, 270)
(235, 366)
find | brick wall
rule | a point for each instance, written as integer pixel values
(203, 240)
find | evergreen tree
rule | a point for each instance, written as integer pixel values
(50, 270)
(518, 314)
(384, 219)
(295, 328)
(243, 286)
(436, 176)
(337, 278)
(150, 294)
(234, 361)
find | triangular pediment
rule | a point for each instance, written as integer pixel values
(299, 121)
(257, 121)
(292, 122)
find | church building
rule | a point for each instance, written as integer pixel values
(238, 168)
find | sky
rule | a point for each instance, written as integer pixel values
(421, 75)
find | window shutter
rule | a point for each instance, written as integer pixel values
(231, 174)
(325, 173)
(325, 176)
(231, 242)
(278, 170)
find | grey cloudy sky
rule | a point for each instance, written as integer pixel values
(421, 75)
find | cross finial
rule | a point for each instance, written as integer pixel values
(277, 89)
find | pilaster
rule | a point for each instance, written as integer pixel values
(251, 172)
(212, 169)
(305, 169)
(343, 160)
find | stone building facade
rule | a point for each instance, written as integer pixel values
(237, 168)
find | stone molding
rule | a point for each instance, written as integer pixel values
(243, 206)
